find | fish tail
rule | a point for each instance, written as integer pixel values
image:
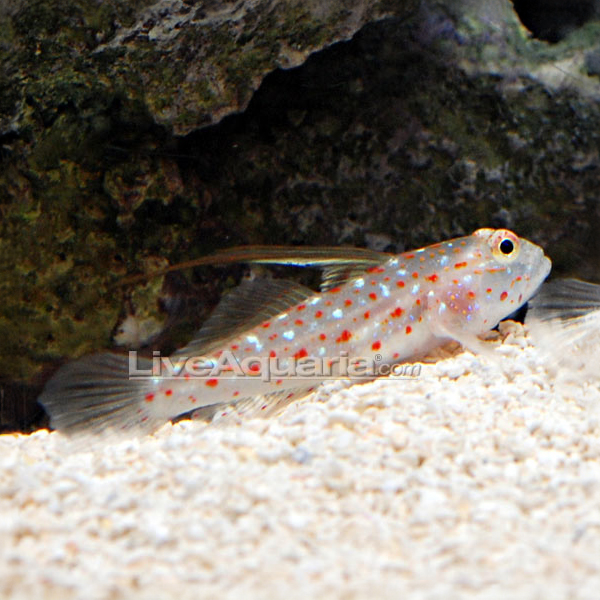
(96, 394)
(564, 322)
(564, 299)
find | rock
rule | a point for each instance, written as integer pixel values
(138, 134)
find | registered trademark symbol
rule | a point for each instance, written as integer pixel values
(378, 357)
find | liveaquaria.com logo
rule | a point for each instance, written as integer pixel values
(266, 368)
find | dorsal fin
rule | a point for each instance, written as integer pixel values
(299, 256)
(244, 307)
(302, 256)
(341, 274)
(339, 264)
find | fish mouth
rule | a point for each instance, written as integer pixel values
(547, 266)
(543, 267)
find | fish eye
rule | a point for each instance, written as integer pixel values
(506, 246)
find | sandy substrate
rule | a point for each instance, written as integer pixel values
(480, 479)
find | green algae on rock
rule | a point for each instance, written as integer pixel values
(92, 95)
(131, 134)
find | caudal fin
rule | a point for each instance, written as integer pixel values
(564, 322)
(95, 394)
(564, 299)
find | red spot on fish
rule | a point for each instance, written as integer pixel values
(149, 397)
(396, 355)
(442, 251)
(375, 270)
(212, 382)
(460, 265)
(386, 278)
(415, 275)
(168, 392)
(266, 325)
(272, 354)
(373, 296)
(367, 314)
(456, 250)
(478, 271)
(396, 313)
(301, 307)
(503, 296)
(488, 291)
(234, 346)
(299, 322)
(192, 399)
(409, 256)
(322, 336)
(186, 376)
(255, 367)
(335, 290)
(344, 337)
(318, 314)
(301, 353)
(400, 284)
(408, 329)
(348, 302)
(236, 393)
(471, 294)
(279, 382)
(328, 302)
(418, 301)
(273, 336)
(433, 277)
(376, 345)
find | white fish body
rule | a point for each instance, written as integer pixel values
(388, 312)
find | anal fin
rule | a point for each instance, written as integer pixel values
(262, 406)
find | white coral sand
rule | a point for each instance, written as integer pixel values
(479, 479)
